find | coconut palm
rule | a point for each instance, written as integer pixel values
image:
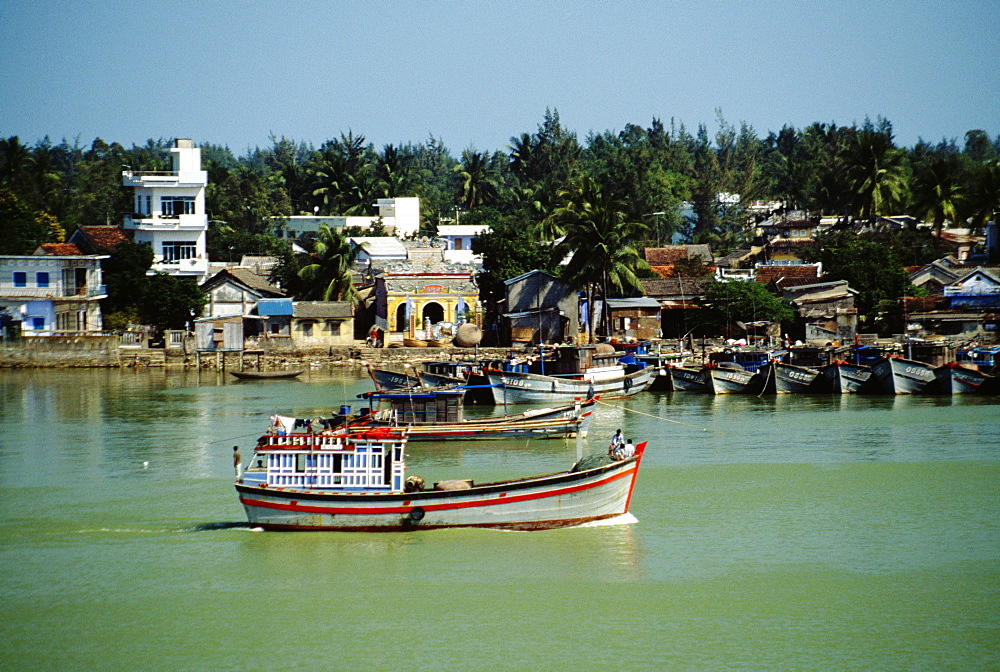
(875, 171)
(328, 277)
(937, 189)
(983, 201)
(597, 239)
(478, 184)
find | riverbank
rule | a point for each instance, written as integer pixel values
(99, 352)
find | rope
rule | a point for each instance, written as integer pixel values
(234, 438)
(656, 417)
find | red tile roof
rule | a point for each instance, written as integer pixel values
(104, 237)
(766, 274)
(61, 249)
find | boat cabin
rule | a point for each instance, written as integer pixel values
(420, 406)
(984, 359)
(567, 360)
(370, 460)
(748, 360)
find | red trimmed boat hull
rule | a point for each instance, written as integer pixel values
(543, 502)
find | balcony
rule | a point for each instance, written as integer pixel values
(164, 178)
(158, 222)
(56, 292)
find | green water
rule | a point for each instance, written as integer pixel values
(799, 533)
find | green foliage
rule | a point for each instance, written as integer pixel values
(171, 302)
(509, 249)
(20, 233)
(328, 275)
(124, 274)
(871, 268)
(597, 237)
(743, 301)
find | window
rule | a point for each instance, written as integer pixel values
(458, 243)
(307, 329)
(172, 206)
(42, 279)
(143, 204)
(175, 250)
(38, 323)
(20, 279)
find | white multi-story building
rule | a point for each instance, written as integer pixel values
(400, 217)
(170, 212)
(55, 290)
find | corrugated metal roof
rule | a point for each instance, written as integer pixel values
(274, 307)
(640, 302)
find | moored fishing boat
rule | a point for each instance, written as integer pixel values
(687, 378)
(356, 481)
(846, 378)
(782, 378)
(896, 375)
(266, 375)
(386, 379)
(953, 378)
(730, 378)
(738, 371)
(430, 414)
(566, 373)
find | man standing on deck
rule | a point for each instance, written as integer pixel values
(237, 462)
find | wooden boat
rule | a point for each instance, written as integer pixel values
(687, 379)
(846, 378)
(565, 373)
(439, 415)
(782, 378)
(525, 388)
(953, 378)
(460, 372)
(266, 375)
(895, 375)
(738, 371)
(414, 342)
(356, 481)
(386, 379)
(730, 378)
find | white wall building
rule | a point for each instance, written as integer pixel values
(170, 212)
(55, 290)
(400, 216)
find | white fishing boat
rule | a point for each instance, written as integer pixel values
(357, 481)
(566, 373)
(896, 375)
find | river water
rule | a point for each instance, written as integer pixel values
(801, 532)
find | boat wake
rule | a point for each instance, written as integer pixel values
(624, 519)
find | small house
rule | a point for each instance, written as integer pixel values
(634, 319)
(322, 324)
(539, 307)
(236, 291)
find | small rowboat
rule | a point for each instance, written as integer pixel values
(356, 481)
(266, 375)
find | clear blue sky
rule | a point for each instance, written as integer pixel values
(476, 73)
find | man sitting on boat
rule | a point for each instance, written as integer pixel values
(617, 441)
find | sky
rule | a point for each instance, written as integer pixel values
(474, 74)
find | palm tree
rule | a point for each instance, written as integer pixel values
(597, 238)
(983, 202)
(328, 278)
(343, 175)
(875, 171)
(937, 189)
(478, 185)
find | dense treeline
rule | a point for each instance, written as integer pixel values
(535, 187)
